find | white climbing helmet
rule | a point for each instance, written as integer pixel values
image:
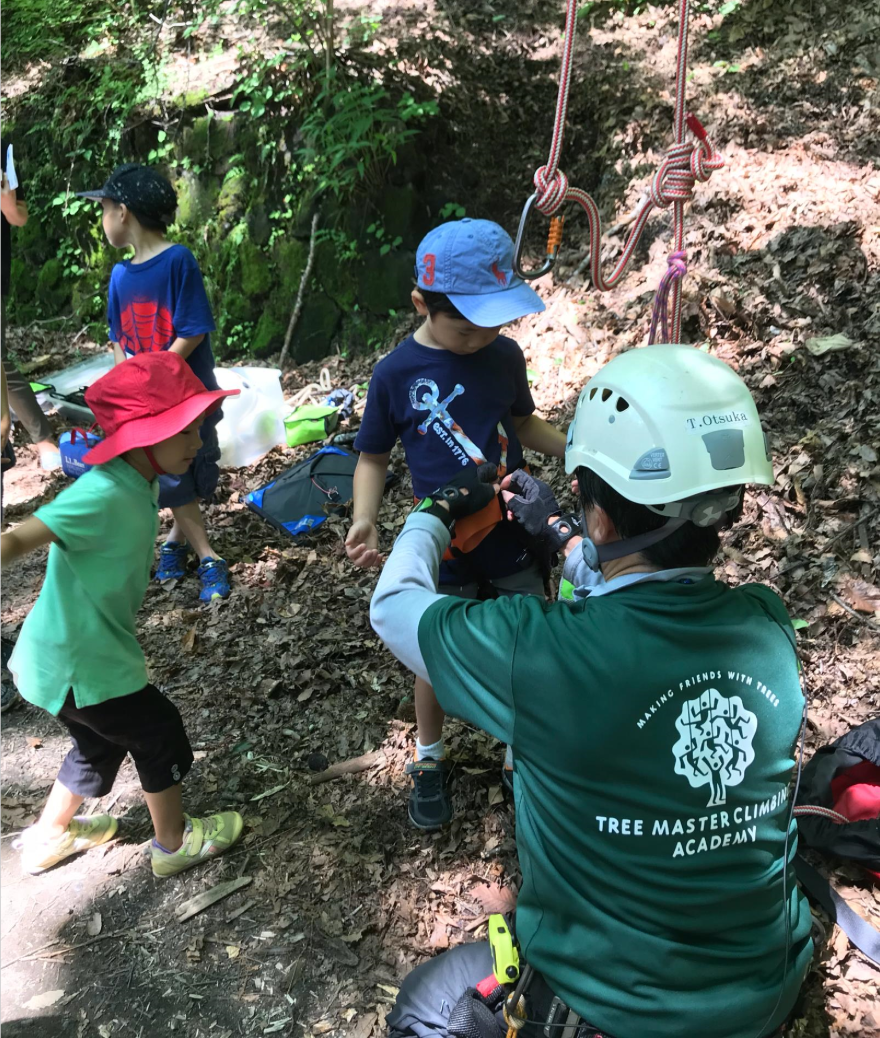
(668, 426)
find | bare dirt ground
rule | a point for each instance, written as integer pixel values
(287, 676)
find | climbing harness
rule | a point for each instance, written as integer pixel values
(686, 162)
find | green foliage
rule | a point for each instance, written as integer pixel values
(303, 133)
(453, 211)
(354, 133)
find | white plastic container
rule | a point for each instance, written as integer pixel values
(72, 380)
(252, 421)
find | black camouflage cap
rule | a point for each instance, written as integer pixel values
(141, 188)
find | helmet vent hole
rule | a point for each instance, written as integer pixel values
(593, 392)
(621, 404)
(606, 393)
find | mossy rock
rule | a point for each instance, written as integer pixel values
(195, 200)
(53, 291)
(232, 200)
(208, 139)
(256, 275)
(86, 301)
(269, 335)
(404, 214)
(21, 283)
(317, 325)
(237, 307)
(290, 256)
(385, 283)
(258, 225)
(338, 279)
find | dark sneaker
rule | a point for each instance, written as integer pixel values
(8, 691)
(8, 695)
(214, 575)
(172, 561)
(429, 804)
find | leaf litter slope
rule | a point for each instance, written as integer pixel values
(287, 677)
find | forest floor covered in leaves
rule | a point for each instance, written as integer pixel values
(339, 897)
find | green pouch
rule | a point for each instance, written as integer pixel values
(309, 423)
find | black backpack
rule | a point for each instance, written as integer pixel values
(838, 813)
(303, 497)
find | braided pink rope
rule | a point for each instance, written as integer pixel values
(673, 183)
(660, 315)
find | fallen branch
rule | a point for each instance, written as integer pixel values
(303, 281)
(209, 897)
(857, 616)
(348, 767)
(38, 953)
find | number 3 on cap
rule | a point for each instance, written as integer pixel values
(430, 263)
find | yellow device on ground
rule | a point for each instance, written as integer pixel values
(505, 957)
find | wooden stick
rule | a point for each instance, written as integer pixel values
(862, 619)
(209, 897)
(303, 281)
(39, 953)
(348, 767)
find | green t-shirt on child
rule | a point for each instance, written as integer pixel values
(653, 730)
(80, 633)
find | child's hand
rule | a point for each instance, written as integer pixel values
(362, 544)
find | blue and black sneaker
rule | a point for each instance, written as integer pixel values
(429, 804)
(8, 692)
(172, 561)
(214, 575)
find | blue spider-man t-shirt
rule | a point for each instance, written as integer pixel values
(153, 303)
(450, 410)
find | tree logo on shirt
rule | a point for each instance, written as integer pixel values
(715, 743)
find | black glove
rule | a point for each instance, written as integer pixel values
(477, 481)
(533, 505)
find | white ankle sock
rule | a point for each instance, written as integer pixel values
(434, 751)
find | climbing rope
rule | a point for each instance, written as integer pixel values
(686, 162)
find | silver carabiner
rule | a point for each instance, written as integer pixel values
(553, 243)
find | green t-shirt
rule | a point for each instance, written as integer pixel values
(653, 730)
(80, 633)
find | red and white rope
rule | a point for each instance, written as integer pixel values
(685, 163)
(821, 812)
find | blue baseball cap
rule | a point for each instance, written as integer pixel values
(471, 262)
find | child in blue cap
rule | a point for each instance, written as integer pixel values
(455, 393)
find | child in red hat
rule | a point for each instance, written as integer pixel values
(78, 656)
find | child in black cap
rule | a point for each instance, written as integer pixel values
(158, 302)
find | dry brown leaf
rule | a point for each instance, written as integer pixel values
(493, 897)
(861, 595)
(439, 939)
(188, 641)
(34, 743)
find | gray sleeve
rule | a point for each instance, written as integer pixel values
(408, 587)
(577, 572)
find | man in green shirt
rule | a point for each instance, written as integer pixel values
(77, 655)
(653, 719)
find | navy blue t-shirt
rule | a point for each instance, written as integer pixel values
(450, 410)
(153, 303)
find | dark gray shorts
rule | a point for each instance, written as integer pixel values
(525, 582)
(201, 478)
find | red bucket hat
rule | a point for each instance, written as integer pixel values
(145, 400)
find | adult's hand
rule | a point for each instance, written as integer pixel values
(529, 501)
